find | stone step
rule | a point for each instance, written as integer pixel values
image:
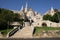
(26, 32)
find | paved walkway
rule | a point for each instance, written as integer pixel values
(26, 32)
(1, 36)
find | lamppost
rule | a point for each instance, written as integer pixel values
(50, 24)
(30, 22)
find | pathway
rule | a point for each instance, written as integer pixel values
(26, 32)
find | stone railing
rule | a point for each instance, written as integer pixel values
(12, 32)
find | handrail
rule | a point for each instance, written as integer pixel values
(12, 32)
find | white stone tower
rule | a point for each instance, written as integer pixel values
(52, 11)
(22, 12)
(26, 8)
(22, 8)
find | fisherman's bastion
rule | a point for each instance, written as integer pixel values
(37, 17)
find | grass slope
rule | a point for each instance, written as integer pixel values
(39, 29)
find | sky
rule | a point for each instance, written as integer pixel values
(40, 6)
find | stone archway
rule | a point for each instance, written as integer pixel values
(44, 24)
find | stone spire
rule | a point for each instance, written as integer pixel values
(22, 8)
(26, 8)
(52, 11)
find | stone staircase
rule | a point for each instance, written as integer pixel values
(26, 32)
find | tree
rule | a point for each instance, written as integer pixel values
(56, 10)
(16, 17)
(47, 17)
(56, 17)
(7, 15)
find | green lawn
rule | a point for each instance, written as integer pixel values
(4, 32)
(39, 29)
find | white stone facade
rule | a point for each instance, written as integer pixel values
(37, 18)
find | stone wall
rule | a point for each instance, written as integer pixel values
(48, 23)
(48, 33)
